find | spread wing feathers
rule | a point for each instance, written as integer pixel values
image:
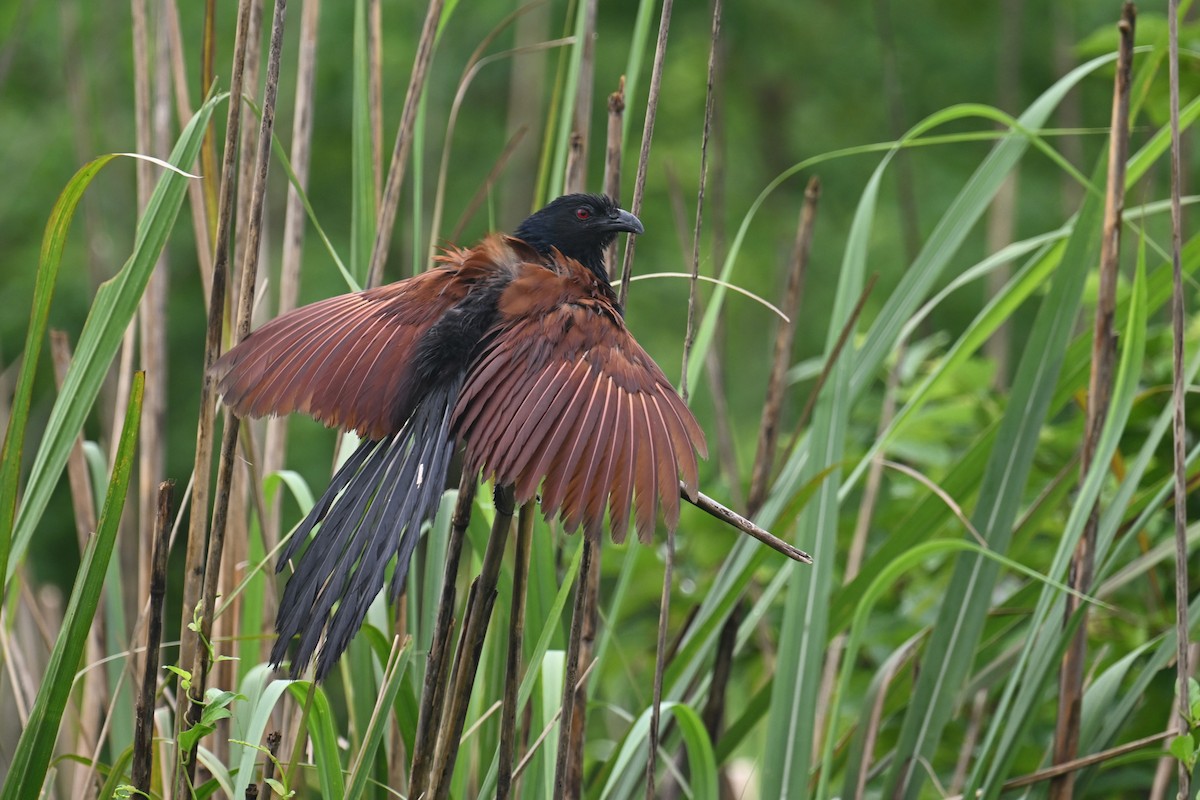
(372, 510)
(347, 360)
(562, 396)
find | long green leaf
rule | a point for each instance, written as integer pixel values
(701, 761)
(36, 745)
(116, 302)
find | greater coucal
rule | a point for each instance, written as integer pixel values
(516, 346)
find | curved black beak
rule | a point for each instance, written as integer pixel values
(624, 221)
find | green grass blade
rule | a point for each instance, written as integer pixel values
(36, 745)
(115, 304)
(379, 722)
(701, 761)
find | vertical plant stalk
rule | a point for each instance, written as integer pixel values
(1178, 396)
(143, 746)
(208, 152)
(576, 177)
(664, 612)
(1104, 352)
(639, 182)
(404, 137)
(275, 446)
(570, 731)
(475, 623)
(689, 339)
(612, 158)
(375, 91)
(200, 656)
(768, 431)
(516, 637)
(434, 690)
(587, 647)
(193, 582)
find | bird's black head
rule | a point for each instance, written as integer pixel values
(581, 226)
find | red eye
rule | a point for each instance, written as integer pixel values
(582, 213)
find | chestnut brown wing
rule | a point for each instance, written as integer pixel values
(346, 361)
(564, 398)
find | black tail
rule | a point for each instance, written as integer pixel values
(372, 510)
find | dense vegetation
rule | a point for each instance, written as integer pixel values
(929, 439)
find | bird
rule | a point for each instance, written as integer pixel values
(517, 348)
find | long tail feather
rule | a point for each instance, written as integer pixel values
(373, 510)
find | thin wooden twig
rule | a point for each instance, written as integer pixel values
(689, 338)
(516, 638)
(1178, 397)
(470, 644)
(575, 179)
(768, 431)
(736, 520)
(639, 183)
(144, 714)
(1070, 693)
(404, 135)
(437, 662)
(612, 158)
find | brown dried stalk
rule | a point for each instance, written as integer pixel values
(437, 663)
(576, 177)
(516, 637)
(664, 610)
(475, 623)
(144, 713)
(570, 731)
(639, 183)
(1070, 693)
(404, 136)
(736, 520)
(612, 156)
(768, 431)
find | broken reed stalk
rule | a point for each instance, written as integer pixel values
(736, 520)
(516, 638)
(1179, 429)
(144, 713)
(567, 742)
(664, 610)
(612, 157)
(214, 202)
(689, 338)
(639, 183)
(198, 521)
(227, 463)
(404, 136)
(575, 179)
(587, 647)
(1104, 351)
(768, 431)
(433, 692)
(475, 623)
(375, 92)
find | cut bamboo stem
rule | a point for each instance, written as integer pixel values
(144, 713)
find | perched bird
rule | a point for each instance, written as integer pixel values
(518, 348)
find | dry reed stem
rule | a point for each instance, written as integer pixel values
(437, 662)
(198, 521)
(533, 747)
(587, 648)
(576, 178)
(475, 623)
(375, 92)
(768, 431)
(404, 135)
(874, 720)
(1178, 396)
(689, 338)
(568, 740)
(208, 148)
(737, 521)
(200, 658)
(516, 637)
(144, 713)
(664, 611)
(294, 221)
(612, 156)
(639, 183)
(1104, 351)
